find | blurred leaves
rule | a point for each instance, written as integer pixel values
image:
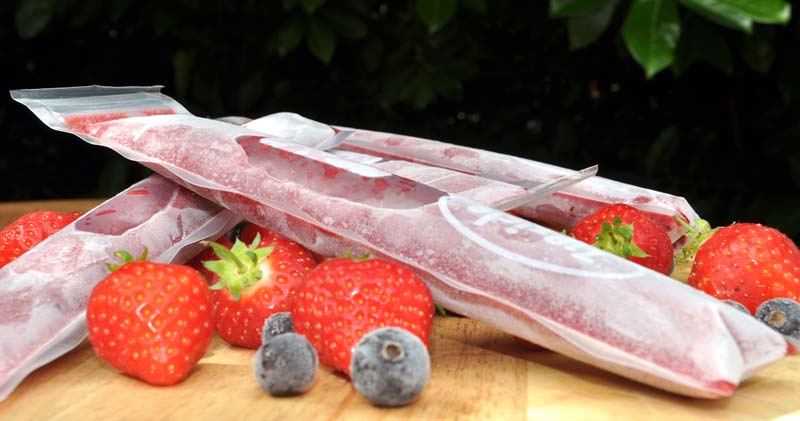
(558, 81)
(477, 6)
(740, 14)
(651, 33)
(346, 24)
(652, 29)
(757, 49)
(700, 42)
(321, 41)
(436, 13)
(32, 17)
(424, 62)
(289, 36)
(572, 8)
(584, 29)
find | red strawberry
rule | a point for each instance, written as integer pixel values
(626, 232)
(344, 299)
(30, 230)
(747, 263)
(250, 283)
(152, 321)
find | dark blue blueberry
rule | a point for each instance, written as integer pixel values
(233, 234)
(390, 366)
(276, 324)
(781, 314)
(286, 365)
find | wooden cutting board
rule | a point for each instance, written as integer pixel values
(478, 373)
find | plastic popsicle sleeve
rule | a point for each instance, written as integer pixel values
(562, 210)
(298, 129)
(43, 293)
(511, 273)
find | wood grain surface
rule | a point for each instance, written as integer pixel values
(478, 373)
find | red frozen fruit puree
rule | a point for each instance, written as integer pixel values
(81, 122)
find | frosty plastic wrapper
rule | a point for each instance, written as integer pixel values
(478, 261)
(44, 292)
(561, 210)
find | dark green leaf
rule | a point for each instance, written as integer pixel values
(32, 17)
(572, 8)
(723, 12)
(311, 6)
(701, 41)
(321, 40)
(289, 36)
(586, 29)
(346, 24)
(477, 6)
(757, 49)
(436, 13)
(651, 32)
(763, 11)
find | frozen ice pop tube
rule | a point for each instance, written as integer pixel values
(43, 293)
(561, 210)
(479, 261)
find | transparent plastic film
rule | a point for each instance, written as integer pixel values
(479, 261)
(43, 293)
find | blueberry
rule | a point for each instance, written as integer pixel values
(390, 366)
(737, 305)
(233, 234)
(781, 314)
(275, 325)
(286, 365)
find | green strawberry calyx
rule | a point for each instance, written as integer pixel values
(126, 258)
(349, 255)
(618, 239)
(238, 267)
(699, 233)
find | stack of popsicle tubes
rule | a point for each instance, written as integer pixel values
(475, 225)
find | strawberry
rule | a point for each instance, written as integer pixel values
(748, 263)
(628, 233)
(343, 299)
(152, 321)
(30, 230)
(250, 283)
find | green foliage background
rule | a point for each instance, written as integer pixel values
(697, 98)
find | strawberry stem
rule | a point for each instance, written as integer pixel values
(617, 239)
(238, 267)
(348, 255)
(126, 258)
(699, 234)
